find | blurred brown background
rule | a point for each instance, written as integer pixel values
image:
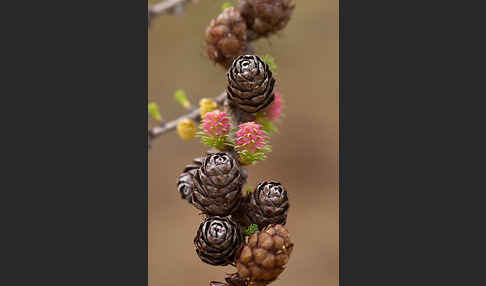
(305, 153)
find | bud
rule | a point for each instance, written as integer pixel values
(267, 117)
(153, 110)
(274, 110)
(250, 137)
(216, 123)
(207, 105)
(226, 5)
(180, 97)
(186, 128)
(250, 143)
(252, 228)
(215, 128)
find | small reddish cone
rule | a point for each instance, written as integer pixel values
(226, 37)
(265, 17)
(264, 255)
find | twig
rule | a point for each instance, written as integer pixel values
(194, 114)
(166, 7)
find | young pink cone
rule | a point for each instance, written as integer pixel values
(273, 112)
(250, 137)
(216, 123)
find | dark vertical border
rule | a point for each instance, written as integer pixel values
(407, 138)
(369, 146)
(79, 176)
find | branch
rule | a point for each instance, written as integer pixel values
(194, 114)
(166, 7)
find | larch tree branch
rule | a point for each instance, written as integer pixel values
(194, 114)
(213, 184)
(230, 21)
(167, 7)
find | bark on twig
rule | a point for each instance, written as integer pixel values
(166, 7)
(238, 116)
(194, 114)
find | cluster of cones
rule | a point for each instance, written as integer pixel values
(230, 34)
(245, 230)
(213, 184)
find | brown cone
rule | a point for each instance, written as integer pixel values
(226, 37)
(185, 183)
(267, 204)
(240, 215)
(265, 17)
(217, 240)
(218, 185)
(250, 84)
(264, 255)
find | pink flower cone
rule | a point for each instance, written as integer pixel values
(216, 123)
(250, 137)
(273, 112)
